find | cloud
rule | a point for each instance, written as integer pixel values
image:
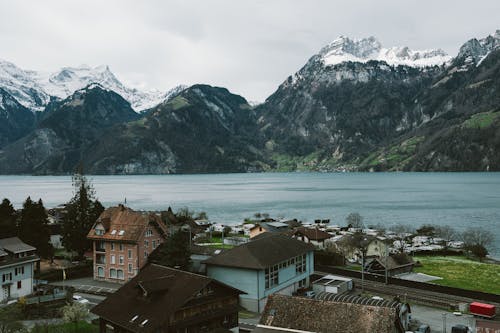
(247, 46)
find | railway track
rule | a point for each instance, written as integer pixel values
(413, 295)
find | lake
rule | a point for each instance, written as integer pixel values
(456, 199)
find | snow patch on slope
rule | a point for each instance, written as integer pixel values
(34, 89)
(344, 49)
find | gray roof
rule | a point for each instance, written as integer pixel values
(261, 253)
(2, 253)
(15, 245)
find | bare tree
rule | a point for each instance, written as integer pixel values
(478, 241)
(355, 220)
(447, 233)
(402, 235)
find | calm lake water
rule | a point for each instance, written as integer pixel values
(456, 199)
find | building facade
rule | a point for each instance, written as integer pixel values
(122, 240)
(17, 263)
(268, 265)
(162, 299)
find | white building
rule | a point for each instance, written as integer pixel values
(17, 262)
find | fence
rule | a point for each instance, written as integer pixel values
(46, 298)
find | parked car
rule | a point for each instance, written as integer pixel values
(310, 294)
(80, 299)
(460, 329)
(424, 329)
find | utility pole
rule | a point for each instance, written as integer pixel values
(386, 255)
(444, 322)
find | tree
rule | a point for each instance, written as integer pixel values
(226, 231)
(479, 251)
(10, 317)
(81, 213)
(354, 220)
(447, 233)
(8, 216)
(427, 230)
(33, 227)
(478, 240)
(74, 313)
(201, 216)
(402, 235)
(174, 252)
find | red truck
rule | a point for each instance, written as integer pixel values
(482, 309)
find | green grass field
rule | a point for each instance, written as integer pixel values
(461, 272)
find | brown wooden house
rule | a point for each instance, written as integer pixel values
(162, 299)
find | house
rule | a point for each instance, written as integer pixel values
(396, 264)
(314, 236)
(122, 241)
(274, 227)
(375, 247)
(161, 299)
(336, 314)
(272, 263)
(17, 263)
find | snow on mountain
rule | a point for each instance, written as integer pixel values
(344, 49)
(34, 89)
(475, 50)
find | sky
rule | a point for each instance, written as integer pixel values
(249, 47)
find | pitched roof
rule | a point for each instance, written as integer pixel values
(312, 234)
(124, 224)
(154, 295)
(261, 253)
(15, 245)
(328, 316)
(393, 262)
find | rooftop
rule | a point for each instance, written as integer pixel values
(14, 245)
(261, 253)
(147, 301)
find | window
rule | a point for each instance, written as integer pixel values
(146, 243)
(271, 276)
(121, 233)
(154, 244)
(19, 284)
(112, 246)
(130, 254)
(99, 232)
(19, 271)
(130, 269)
(7, 277)
(113, 232)
(113, 260)
(100, 271)
(112, 273)
(149, 233)
(300, 264)
(121, 247)
(120, 274)
(145, 254)
(121, 260)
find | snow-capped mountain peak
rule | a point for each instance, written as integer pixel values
(476, 50)
(344, 49)
(35, 89)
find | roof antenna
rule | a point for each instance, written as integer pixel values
(125, 201)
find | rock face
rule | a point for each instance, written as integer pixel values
(15, 120)
(203, 129)
(65, 130)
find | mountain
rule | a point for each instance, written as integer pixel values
(15, 120)
(66, 129)
(330, 113)
(35, 90)
(354, 105)
(203, 129)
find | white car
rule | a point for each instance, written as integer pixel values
(80, 299)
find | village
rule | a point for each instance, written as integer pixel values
(180, 272)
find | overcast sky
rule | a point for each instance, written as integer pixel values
(250, 47)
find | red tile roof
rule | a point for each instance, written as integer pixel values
(124, 224)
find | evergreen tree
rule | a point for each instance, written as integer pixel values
(8, 218)
(33, 227)
(81, 213)
(174, 252)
